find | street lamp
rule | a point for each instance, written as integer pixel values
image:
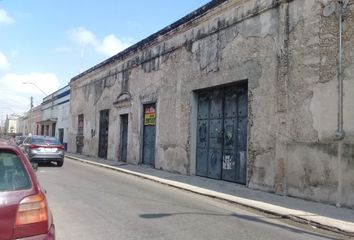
(35, 86)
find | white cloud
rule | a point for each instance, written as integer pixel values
(47, 82)
(14, 95)
(109, 46)
(4, 63)
(83, 36)
(112, 45)
(5, 18)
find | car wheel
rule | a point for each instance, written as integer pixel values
(60, 163)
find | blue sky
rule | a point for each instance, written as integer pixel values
(48, 42)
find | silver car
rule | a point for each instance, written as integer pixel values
(43, 149)
(19, 140)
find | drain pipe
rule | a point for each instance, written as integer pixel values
(340, 134)
(340, 131)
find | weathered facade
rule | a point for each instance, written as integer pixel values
(243, 91)
(55, 115)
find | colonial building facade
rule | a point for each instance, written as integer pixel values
(252, 92)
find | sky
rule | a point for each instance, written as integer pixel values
(45, 43)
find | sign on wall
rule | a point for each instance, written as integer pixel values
(150, 116)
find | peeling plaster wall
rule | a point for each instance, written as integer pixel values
(347, 161)
(90, 96)
(287, 52)
(318, 162)
(314, 171)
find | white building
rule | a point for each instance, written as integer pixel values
(12, 124)
(55, 114)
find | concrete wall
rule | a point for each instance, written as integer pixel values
(287, 52)
(63, 121)
(36, 118)
(318, 164)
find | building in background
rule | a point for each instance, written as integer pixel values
(2, 127)
(49, 119)
(55, 114)
(29, 123)
(12, 126)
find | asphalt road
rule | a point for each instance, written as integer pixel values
(89, 202)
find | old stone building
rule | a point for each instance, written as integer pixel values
(248, 91)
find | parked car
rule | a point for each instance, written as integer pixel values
(24, 210)
(43, 149)
(19, 139)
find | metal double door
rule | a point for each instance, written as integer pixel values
(222, 133)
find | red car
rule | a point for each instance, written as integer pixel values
(24, 211)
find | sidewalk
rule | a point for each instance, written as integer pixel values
(317, 214)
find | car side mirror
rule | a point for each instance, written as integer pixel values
(34, 166)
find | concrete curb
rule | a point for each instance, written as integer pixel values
(334, 225)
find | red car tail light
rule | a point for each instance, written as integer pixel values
(32, 146)
(32, 217)
(61, 147)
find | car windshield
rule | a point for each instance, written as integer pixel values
(45, 141)
(12, 172)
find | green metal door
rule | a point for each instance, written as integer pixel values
(222, 133)
(149, 134)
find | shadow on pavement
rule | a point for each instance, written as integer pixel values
(257, 219)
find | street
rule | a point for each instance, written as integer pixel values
(89, 202)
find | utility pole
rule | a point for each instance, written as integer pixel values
(30, 116)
